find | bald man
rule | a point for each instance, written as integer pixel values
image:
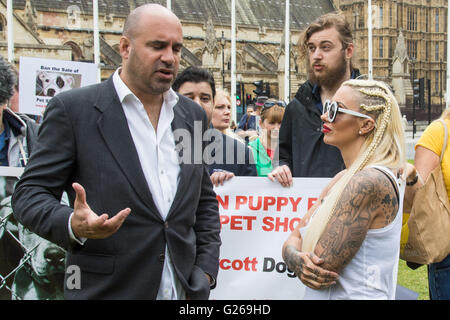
(141, 224)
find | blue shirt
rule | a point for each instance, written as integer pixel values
(4, 143)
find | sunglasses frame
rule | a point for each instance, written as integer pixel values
(326, 109)
(269, 104)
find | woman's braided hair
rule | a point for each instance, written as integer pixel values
(384, 146)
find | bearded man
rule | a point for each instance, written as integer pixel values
(328, 44)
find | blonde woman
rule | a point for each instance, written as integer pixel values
(348, 244)
(221, 115)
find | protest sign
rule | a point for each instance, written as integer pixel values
(42, 79)
(257, 215)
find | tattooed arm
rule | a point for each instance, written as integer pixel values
(369, 201)
(306, 264)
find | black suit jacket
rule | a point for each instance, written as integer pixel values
(234, 156)
(85, 138)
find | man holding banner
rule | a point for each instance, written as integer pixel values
(112, 147)
(328, 44)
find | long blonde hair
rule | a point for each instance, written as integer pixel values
(385, 146)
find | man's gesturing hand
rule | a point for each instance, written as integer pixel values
(87, 224)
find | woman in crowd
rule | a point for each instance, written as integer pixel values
(427, 158)
(349, 242)
(221, 115)
(232, 147)
(265, 144)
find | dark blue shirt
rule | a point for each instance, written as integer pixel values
(4, 143)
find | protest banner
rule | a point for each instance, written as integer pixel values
(25, 270)
(42, 79)
(257, 215)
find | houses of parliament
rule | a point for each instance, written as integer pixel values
(409, 38)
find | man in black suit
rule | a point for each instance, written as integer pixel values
(228, 157)
(143, 226)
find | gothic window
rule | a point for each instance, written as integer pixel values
(412, 49)
(77, 54)
(355, 20)
(380, 47)
(390, 15)
(361, 18)
(390, 48)
(436, 81)
(412, 19)
(2, 27)
(381, 17)
(436, 52)
(436, 27)
(73, 16)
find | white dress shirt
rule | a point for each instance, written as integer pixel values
(159, 162)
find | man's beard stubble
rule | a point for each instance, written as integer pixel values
(331, 77)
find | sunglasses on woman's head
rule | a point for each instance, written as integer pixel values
(270, 104)
(333, 107)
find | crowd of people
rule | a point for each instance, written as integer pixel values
(113, 147)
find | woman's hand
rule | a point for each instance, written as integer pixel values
(306, 267)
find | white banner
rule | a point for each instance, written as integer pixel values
(257, 216)
(42, 79)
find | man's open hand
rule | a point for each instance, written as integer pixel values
(87, 224)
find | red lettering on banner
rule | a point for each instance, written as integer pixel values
(268, 201)
(268, 224)
(238, 264)
(281, 202)
(291, 224)
(295, 203)
(280, 224)
(240, 200)
(222, 203)
(258, 203)
(311, 202)
(224, 220)
(250, 220)
(238, 222)
(235, 223)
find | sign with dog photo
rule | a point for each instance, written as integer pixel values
(31, 268)
(42, 79)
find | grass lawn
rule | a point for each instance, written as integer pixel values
(415, 280)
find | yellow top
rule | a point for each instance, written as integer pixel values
(433, 139)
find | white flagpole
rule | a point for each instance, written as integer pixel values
(233, 60)
(9, 14)
(169, 4)
(369, 39)
(287, 55)
(447, 95)
(96, 40)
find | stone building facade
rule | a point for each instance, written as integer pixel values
(414, 29)
(63, 29)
